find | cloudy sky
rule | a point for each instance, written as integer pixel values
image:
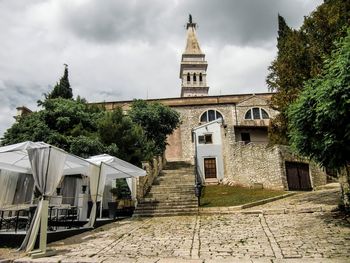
(120, 50)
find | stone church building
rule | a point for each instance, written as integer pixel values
(228, 134)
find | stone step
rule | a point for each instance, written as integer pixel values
(166, 213)
(171, 183)
(178, 165)
(172, 187)
(169, 194)
(169, 202)
(172, 193)
(180, 171)
(176, 180)
(147, 206)
(176, 175)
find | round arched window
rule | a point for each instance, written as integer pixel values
(211, 115)
(256, 114)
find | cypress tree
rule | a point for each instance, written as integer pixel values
(62, 89)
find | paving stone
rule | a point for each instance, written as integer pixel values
(304, 236)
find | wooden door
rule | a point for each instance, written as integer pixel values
(210, 167)
(298, 176)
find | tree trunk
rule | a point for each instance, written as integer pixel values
(344, 180)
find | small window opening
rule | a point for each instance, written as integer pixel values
(204, 117)
(194, 77)
(188, 77)
(256, 113)
(200, 77)
(205, 139)
(211, 115)
(208, 139)
(264, 114)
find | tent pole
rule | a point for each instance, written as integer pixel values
(101, 207)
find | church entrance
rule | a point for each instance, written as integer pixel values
(210, 168)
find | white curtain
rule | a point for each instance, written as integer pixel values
(94, 174)
(47, 167)
(8, 183)
(107, 195)
(131, 181)
(69, 188)
(24, 189)
(78, 189)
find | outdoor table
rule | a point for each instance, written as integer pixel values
(14, 220)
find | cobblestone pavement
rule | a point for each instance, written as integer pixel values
(326, 198)
(237, 237)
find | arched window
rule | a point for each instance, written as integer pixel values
(211, 115)
(194, 77)
(200, 77)
(256, 114)
(188, 77)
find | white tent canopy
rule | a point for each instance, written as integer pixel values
(115, 168)
(111, 168)
(15, 158)
(47, 164)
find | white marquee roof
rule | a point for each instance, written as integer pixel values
(15, 158)
(114, 167)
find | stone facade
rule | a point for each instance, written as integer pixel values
(254, 164)
(245, 163)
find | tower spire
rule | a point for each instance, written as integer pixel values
(193, 68)
(192, 46)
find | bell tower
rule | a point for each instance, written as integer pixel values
(193, 69)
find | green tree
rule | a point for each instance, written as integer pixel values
(157, 120)
(287, 73)
(320, 117)
(65, 123)
(300, 57)
(125, 138)
(62, 89)
(27, 128)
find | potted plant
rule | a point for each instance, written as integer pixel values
(122, 196)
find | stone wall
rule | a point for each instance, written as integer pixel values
(153, 168)
(262, 164)
(254, 164)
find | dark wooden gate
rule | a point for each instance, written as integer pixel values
(210, 167)
(298, 176)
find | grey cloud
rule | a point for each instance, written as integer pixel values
(116, 20)
(14, 94)
(248, 22)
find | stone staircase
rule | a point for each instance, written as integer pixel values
(172, 193)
